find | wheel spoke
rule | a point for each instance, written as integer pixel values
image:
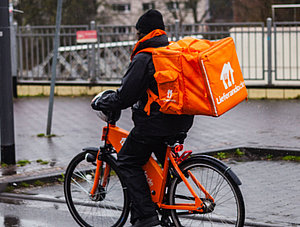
(108, 207)
(229, 206)
(82, 176)
(79, 186)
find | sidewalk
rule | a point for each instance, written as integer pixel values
(269, 124)
(256, 123)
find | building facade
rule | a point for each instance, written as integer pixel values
(127, 12)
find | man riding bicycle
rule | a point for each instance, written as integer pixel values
(150, 132)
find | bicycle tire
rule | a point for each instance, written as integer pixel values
(109, 207)
(229, 209)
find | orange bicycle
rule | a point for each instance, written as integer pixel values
(190, 190)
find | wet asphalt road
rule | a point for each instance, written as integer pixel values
(270, 189)
(28, 213)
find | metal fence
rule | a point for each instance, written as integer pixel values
(268, 55)
(286, 45)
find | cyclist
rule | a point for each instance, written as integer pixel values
(150, 132)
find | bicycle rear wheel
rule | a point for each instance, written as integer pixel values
(109, 207)
(228, 208)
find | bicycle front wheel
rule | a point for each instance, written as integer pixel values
(228, 206)
(108, 207)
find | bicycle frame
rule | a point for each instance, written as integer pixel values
(156, 177)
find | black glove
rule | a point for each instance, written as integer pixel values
(96, 102)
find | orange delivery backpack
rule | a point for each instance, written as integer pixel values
(197, 77)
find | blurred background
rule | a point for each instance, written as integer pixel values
(267, 49)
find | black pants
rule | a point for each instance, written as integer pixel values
(135, 152)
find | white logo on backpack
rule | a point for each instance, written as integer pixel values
(122, 141)
(169, 95)
(228, 80)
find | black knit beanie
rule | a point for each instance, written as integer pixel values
(150, 21)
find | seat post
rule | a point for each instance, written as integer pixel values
(165, 173)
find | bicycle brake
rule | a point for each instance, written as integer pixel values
(176, 149)
(90, 158)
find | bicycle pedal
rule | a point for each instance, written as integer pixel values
(90, 158)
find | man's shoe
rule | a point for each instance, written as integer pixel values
(147, 222)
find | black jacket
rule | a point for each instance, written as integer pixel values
(132, 93)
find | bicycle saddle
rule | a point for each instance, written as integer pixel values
(178, 138)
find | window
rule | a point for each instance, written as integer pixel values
(121, 7)
(121, 30)
(172, 5)
(147, 6)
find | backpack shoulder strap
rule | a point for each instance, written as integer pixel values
(152, 97)
(146, 50)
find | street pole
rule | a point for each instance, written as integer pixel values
(269, 43)
(54, 62)
(13, 49)
(93, 60)
(8, 155)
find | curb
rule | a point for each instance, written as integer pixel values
(45, 178)
(259, 151)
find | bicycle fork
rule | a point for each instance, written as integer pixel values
(97, 176)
